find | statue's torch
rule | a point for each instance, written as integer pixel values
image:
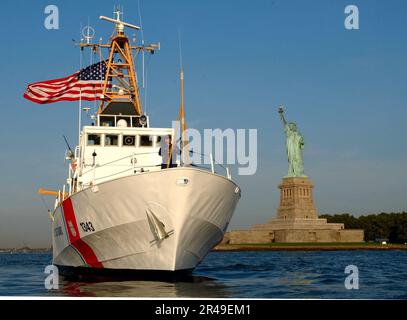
(280, 110)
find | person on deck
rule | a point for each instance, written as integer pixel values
(168, 156)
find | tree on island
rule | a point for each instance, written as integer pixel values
(391, 226)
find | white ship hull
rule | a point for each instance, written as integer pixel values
(116, 225)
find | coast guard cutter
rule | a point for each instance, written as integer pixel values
(123, 208)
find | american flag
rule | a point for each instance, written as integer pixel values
(86, 84)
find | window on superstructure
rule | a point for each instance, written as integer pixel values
(135, 122)
(158, 141)
(129, 141)
(146, 141)
(111, 140)
(107, 121)
(121, 123)
(93, 140)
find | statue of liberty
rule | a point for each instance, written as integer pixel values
(294, 143)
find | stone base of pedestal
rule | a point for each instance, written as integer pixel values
(293, 236)
(298, 224)
(297, 220)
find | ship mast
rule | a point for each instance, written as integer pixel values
(181, 115)
(120, 89)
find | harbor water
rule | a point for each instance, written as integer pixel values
(249, 274)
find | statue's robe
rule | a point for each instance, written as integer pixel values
(294, 145)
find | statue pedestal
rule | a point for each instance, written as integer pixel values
(297, 220)
(296, 199)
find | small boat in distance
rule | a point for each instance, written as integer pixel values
(126, 206)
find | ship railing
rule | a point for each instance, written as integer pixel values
(72, 171)
(133, 169)
(62, 195)
(145, 168)
(213, 164)
(214, 167)
(131, 156)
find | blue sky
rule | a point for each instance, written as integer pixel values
(345, 89)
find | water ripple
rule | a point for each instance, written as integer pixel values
(271, 274)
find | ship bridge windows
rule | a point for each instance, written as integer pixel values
(123, 139)
(111, 140)
(135, 122)
(119, 121)
(147, 140)
(107, 121)
(129, 140)
(93, 139)
(123, 122)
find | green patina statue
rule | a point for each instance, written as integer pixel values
(294, 143)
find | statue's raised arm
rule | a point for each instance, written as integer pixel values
(281, 112)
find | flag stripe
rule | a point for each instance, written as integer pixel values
(86, 84)
(40, 95)
(51, 92)
(61, 87)
(59, 80)
(86, 97)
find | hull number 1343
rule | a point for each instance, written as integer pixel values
(87, 226)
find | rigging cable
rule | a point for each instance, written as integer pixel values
(80, 92)
(47, 208)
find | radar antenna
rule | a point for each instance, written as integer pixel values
(119, 24)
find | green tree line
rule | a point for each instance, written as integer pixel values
(391, 226)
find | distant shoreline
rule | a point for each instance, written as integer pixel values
(25, 250)
(306, 247)
(263, 247)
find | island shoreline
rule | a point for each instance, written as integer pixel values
(305, 247)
